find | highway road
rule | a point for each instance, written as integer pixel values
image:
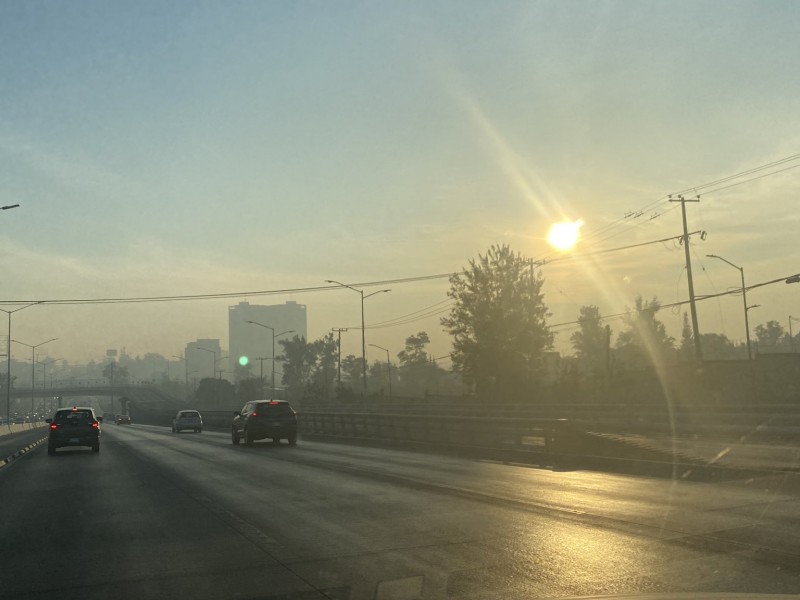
(163, 515)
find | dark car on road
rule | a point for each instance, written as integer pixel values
(76, 426)
(123, 420)
(261, 419)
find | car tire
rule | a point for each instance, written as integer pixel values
(248, 439)
(234, 437)
(51, 450)
(96, 447)
(276, 441)
(293, 440)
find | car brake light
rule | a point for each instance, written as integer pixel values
(255, 414)
(53, 426)
(95, 424)
(273, 403)
(74, 409)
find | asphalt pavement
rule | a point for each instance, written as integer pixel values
(163, 515)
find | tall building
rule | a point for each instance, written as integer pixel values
(200, 357)
(255, 341)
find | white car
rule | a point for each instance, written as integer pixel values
(187, 419)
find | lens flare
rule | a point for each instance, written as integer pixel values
(564, 235)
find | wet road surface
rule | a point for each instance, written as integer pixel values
(163, 515)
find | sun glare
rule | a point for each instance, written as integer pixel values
(564, 235)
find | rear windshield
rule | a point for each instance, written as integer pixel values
(278, 410)
(73, 416)
(189, 413)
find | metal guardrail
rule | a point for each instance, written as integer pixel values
(533, 435)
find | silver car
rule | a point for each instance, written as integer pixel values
(187, 419)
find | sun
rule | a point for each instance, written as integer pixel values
(564, 235)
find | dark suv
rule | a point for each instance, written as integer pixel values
(76, 426)
(262, 419)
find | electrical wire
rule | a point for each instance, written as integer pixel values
(590, 238)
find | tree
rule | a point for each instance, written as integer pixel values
(353, 370)
(323, 373)
(717, 346)
(310, 369)
(298, 360)
(645, 342)
(242, 372)
(591, 341)
(771, 337)
(115, 374)
(417, 373)
(249, 389)
(498, 323)
(414, 353)
(215, 392)
(378, 374)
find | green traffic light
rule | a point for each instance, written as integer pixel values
(243, 360)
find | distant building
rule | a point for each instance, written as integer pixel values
(255, 341)
(200, 363)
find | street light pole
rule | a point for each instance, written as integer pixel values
(33, 364)
(791, 337)
(746, 310)
(272, 329)
(186, 376)
(363, 334)
(8, 354)
(261, 360)
(339, 330)
(744, 303)
(44, 364)
(388, 367)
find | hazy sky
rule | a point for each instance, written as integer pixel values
(164, 148)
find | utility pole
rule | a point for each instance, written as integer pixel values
(339, 330)
(698, 351)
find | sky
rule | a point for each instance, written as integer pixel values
(180, 148)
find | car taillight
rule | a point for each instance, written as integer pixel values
(53, 426)
(255, 414)
(95, 425)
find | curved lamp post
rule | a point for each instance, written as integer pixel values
(274, 336)
(744, 303)
(363, 335)
(33, 362)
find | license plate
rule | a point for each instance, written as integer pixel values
(74, 440)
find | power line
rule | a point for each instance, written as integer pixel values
(223, 295)
(389, 321)
(729, 292)
(655, 204)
